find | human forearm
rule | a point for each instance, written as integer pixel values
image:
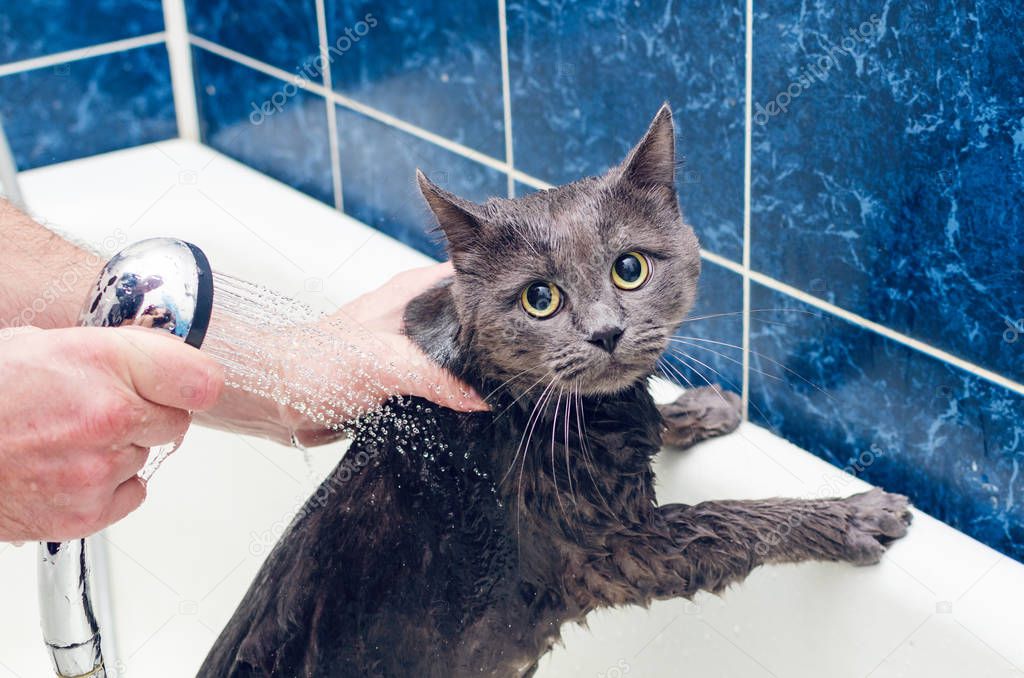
(44, 279)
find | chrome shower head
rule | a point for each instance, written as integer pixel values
(161, 283)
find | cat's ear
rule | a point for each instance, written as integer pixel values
(653, 160)
(455, 216)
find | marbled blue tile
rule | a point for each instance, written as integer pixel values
(32, 28)
(708, 346)
(894, 180)
(89, 106)
(265, 123)
(378, 170)
(428, 62)
(951, 441)
(282, 33)
(587, 77)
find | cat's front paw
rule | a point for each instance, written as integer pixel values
(698, 414)
(876, 519)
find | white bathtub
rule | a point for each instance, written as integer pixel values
(940, 604)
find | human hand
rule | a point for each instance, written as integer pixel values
(79, 408)
(379, 314)
(375, 360)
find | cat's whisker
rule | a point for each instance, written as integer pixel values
(714, 387)
(509, 380)
(521, 396)
(730, 359)
(531, 420)
(588, 458)
(717, 389)
(565, 447)
(763, 357)
(554, 471)
(538, 409)
(677, 372)
(682, 355)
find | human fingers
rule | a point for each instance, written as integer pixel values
(166, 371)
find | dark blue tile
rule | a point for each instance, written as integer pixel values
(378, 173)
(708, 346)
(587, 77)
(951, 441)
(282, 33)
(32, 28)
(89, 106)
(265, 123)
(894, 180)
(424, 61)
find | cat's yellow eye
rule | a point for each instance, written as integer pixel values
(541, 299)
(630, 271)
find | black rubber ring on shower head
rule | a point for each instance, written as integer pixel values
(204, 299)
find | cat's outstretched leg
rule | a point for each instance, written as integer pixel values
(710, 545)
(699, 414)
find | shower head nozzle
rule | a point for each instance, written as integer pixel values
(163, 283)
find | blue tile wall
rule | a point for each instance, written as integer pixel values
(90, 106)
(887, 177)
(282, 33)
(425, 63)
(893, 182)
(263, 122)
(948, 439)
(587, 77)
(378, 168)
(32, 28)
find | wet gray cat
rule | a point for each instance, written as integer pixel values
(457, 544)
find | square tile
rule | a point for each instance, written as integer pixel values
(952, 442)
(281, 33)
(266, 123)
(378, 174)
(888, 169)
(90, 106)
(587, 78)
(430, 63)
(32, 28)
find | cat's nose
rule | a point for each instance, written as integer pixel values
(606, 338)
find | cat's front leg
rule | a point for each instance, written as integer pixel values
(699, 414)
(707, 546)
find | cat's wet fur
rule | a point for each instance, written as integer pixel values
(466, 560)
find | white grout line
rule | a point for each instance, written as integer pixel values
(426, 135)
(82, 53)
(179, 53)
(524, 178)
(506, 96)
(749, 275)
(351, 104)
(332, 115)
(748, 88)
(719, 260)
(267, 69)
